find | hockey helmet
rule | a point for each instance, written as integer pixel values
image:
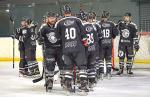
(67, 9)
(128, 14)
(105, 14)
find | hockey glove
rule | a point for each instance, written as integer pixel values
(85, 42)
(136, 47)
(40, 41)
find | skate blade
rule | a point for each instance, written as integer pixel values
(82, 93)
(109, 77)
(24, 76)
(130, 75)
(21, 75)
(91, 89)
(48, 90)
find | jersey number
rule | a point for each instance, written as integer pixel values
(106, 33)
(70, 33)
(90, 38)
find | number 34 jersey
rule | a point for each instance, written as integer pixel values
(71, 31)
(109, 32)
(91, 35)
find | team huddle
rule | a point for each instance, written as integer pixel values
(80, 45)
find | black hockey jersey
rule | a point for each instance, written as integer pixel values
(17, 36)
(71, 31)
(92, 35)
(27, 36)
(128, 33)
(48, 34)
(109, 32)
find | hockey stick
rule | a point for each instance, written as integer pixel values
(135, 51)
(40, 78)
(13, 37)
(13, 45)
(74, 78)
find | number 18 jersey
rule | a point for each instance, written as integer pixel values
(109, 31)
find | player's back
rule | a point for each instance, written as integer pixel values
(70, 29)
(92, 35)
(107, 32)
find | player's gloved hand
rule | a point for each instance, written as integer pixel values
(21, 38)
(85, 42)
(18, 30)
(40, 41)
(136, 47)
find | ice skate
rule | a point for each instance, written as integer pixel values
(49, 84)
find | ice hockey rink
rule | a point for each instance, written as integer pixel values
(11, 85)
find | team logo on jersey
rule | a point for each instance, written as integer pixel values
(105, 25)
(68, 22)
(121, 53)
(89, 28)
(24, 31)
(125, 33)
(51, 37)
(33, 37)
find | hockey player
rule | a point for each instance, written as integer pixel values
(98, 27)
(109, 32)
(27, 46)
(128, 41)
(52, 49)
(92, 39)
(71, 32)
(23, 67)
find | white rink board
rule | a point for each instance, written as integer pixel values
(6, 48)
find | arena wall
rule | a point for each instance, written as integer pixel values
(6, 50)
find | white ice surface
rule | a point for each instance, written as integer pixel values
(13, 86)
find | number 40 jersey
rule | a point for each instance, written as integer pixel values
(109, 32)
(71, 31)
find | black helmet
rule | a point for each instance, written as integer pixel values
(82, 15)
(91, 15)
(67, 9)
(128, 14)
(27, 19)
(94, 14)
(105, 14)
(50, 14)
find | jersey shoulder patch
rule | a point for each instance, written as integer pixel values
(112, 23)
(42, 26)
(134, 25)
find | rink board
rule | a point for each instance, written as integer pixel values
(6, 50)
